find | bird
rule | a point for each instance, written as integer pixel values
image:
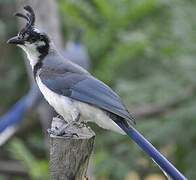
(72, 91)
(78, 96)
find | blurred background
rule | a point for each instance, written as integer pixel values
(145, 50)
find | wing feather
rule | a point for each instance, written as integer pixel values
(86, 88)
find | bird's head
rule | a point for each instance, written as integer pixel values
(35, 43)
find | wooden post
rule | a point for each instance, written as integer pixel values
(69, 155)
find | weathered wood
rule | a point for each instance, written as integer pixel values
(69, 156)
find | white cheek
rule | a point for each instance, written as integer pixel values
(40, 43)
(32, 53)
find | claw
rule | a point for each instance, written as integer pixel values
(61, 132)
(63, 129)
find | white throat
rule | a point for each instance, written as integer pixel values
(32, 52)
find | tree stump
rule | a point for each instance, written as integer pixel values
(69, 156)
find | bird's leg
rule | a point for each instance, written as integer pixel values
(64, 129)
(59, 116)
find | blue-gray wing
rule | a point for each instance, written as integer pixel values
(93, 91)
(86, 88)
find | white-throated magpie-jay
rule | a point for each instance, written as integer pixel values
(75, 93)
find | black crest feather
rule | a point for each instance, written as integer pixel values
(29, 17)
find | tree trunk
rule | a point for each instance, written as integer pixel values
(69, 155)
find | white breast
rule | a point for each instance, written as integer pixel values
(62, 105)
(70, 109)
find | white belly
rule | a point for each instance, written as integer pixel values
(62, 104)
(98, 116)
(69, 109)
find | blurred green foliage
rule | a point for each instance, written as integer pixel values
(38, 169)
(146, 51)
(13, 79)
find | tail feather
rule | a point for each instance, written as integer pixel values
(146, 146)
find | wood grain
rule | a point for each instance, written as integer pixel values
(69, 155)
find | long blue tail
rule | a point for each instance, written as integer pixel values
(146, 146)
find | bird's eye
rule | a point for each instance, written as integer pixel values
(21, 35)
(33, 39)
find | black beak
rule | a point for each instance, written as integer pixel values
(15, 40)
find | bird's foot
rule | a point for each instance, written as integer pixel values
(62, 131)
(58, 131)
(66, 130)
(59, 116)
(81, 124)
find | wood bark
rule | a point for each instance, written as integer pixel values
(69, 155)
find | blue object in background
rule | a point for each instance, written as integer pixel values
(14, 115)
(77, 53)
(10, 122)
